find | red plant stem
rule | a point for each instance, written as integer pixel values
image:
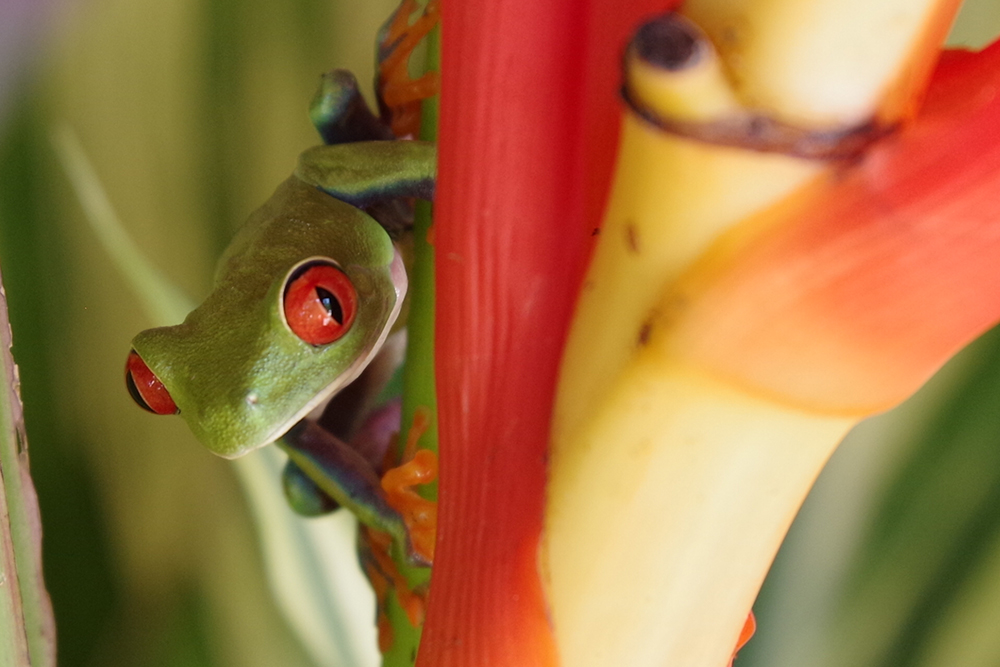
(506, 268)
(525, 84)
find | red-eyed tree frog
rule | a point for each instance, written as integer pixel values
(304, 300)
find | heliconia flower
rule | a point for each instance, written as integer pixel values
(842, 299)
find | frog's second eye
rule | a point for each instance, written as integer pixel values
(146, 389)
(320, 303)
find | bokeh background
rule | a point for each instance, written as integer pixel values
(192, 111)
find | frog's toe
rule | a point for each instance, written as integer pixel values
(340, 113)
(303, 494)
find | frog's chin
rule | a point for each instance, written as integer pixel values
(317, 402)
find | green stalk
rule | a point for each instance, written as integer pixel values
(418, 375)
(27, 628)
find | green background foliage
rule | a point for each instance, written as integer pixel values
(192, 111)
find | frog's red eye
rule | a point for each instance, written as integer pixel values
(146, 389)
(320, 303)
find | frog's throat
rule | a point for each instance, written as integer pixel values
(397, 271)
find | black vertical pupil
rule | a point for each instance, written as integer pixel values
(331, 304)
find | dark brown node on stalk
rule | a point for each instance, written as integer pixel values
(669, 42)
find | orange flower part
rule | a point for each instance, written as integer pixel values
(746, 633)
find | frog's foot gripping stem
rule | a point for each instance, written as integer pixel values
(340, 113)
(304, 496)
(399, 96)
(374, 551)
(419, 467)
(420, 516)
(372, 440)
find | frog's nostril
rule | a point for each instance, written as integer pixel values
(146, 389)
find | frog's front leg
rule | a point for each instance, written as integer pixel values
(372, 439)
(368, 172)
(348, 478)
(324, 472)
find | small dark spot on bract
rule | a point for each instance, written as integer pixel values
(645, 331)
(632, 237)
(596, 232)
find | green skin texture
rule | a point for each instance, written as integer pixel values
(240, 377)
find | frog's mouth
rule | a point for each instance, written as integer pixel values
(397, 272)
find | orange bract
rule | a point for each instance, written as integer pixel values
(746, 634)
(849, 295)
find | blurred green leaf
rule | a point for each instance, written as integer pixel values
(163, 302)
(936, 526)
